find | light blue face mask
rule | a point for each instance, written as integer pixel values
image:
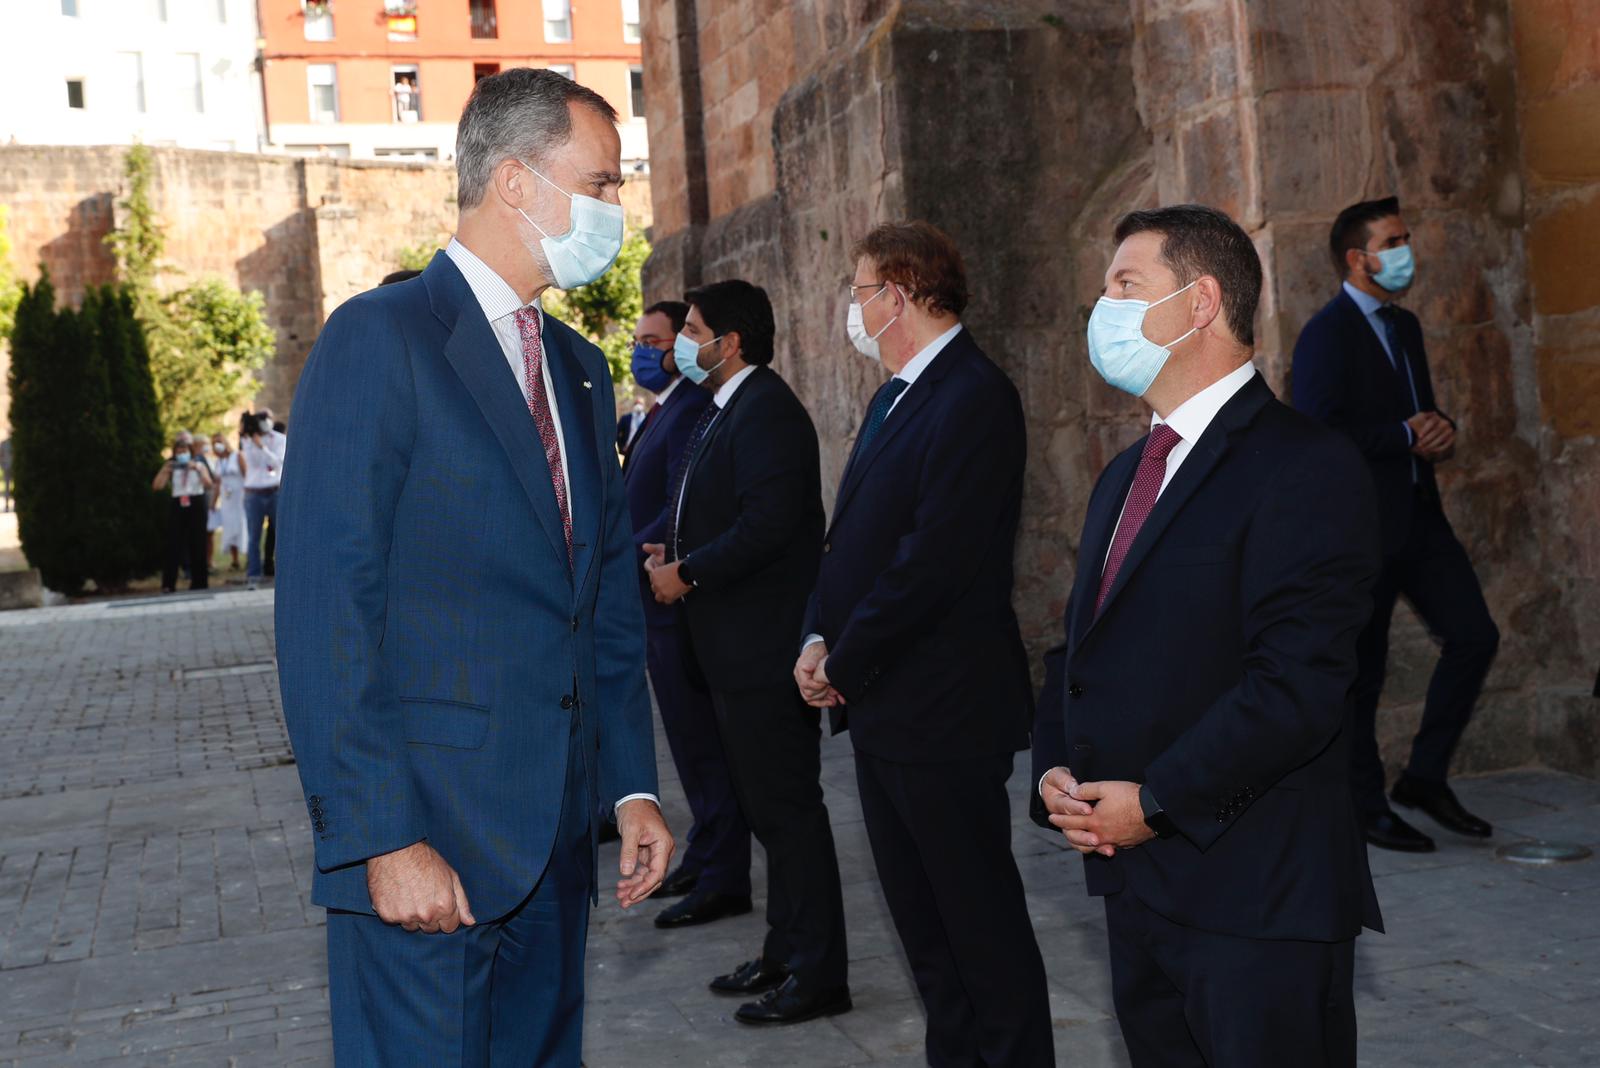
(1125, 358)
(686, 354)
(589, 247)
(1399, 268)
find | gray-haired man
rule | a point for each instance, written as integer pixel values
(459, 634)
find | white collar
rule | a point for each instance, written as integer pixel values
(661, 398)
(919, 363)
(495, 295)
(726, 391)
(1365, 301)
(1191, 418)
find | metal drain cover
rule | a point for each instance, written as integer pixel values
(1543, 852)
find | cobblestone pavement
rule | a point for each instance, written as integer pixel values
(154, 873)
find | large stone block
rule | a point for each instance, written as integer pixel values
(1561, 137)
(21, 589)
(1314, 148)
(1564, 254)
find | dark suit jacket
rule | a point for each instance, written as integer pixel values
(648, 472)
(914, 593)
(1217, 673)
(429, 627)
(1342, 377)
(752, 531)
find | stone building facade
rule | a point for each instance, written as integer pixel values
(780, 132)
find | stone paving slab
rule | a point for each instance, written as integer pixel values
(155, 881)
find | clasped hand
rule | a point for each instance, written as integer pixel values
(811, 674)
(1114, 820)
(665, 583)
(1434, 439)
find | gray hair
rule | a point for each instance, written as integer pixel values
(520, 113)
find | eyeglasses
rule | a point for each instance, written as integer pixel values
(854, 299)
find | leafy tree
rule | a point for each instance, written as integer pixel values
(605, 310)
(415, 257)
(141, 238)
(204, 353)
(10, 288)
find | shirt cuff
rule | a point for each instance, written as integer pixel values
(1411, 435)
(811, 639)
(617, 808)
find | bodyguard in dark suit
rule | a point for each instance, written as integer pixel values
(741, 554)
(459, 638)
(913, 644)
(1361, 368)
(1195, 753)
(714, 875)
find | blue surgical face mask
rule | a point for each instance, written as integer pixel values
(1398, 270)
(589, 247)
(647, 368)
(686, 354)
(1125, 358)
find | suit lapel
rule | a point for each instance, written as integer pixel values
(575, 397)
(1374, 347)
(1098, 529)
(718, 421)
(474, 353)
(1202, 458)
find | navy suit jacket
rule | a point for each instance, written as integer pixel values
(1217, 673)
(914, 593)
(1343, 377)
(437, 655)
(648, 471)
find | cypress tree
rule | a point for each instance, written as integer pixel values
(141, 446)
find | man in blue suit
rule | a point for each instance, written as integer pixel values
(459, 635)
(912, 636)
(1360, 367)
(714, 875)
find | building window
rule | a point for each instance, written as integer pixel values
(484, 22)
(69, 8)
(188, 94)
(319, 19)
(222, 10)
(557, 21)
(480, 71)
(159, 9)
(630, 21)
(130, 80)
(407, 89)
(419, 154)
(75, 93)
(323, 82)
(332, 151)
(401, 16)
(636, 91)
(563, 69)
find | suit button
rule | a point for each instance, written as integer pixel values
(566, 700)
(1074, 691)
(827, 547)
(574, 624)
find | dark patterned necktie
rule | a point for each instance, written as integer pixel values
(882, 401)
(539, 408)
(675, 495)
(1141, 501)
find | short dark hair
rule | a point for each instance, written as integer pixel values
(249, 424)
(1353, 228)
(737, 307)
(1197, 240)
(398, 276)
(676, 312)
(920, 257)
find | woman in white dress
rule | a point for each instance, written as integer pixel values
(230, 501)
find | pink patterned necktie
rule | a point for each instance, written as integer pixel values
(1141, 500)
(539, 408)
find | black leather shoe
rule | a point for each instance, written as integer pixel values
(751, 977)
(790, 1004)
(702, 906)
(1388, 831)
(677, 884)
(1439, 801)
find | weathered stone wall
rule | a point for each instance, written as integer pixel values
(1026, 128)
(305, 233)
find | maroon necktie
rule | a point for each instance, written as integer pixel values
(539, 408)
(1141, 499)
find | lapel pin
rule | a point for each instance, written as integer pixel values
(586, 385)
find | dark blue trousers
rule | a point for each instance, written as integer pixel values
(719, 841)
(505, 992)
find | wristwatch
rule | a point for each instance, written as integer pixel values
(1154, 817)
(684, 574)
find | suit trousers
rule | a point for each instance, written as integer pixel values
(941, 840)
(1432, 571)
(187, 544)
(1187, 998)
(773, 742)
(506, 992)
(718, 848)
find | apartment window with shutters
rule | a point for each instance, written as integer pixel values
(480, 71)
(69, 8)
(636, 91)
(322, 80)
(406, 85)
(222, 10)
(159, 9)
(188, 91)
(318, 18)
(564, 69)
(129, 69)
(630, 21)
(557, 21)
(485, 24)
(75, 93)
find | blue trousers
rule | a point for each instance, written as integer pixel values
(504, 992)
(257, 508)
(719, 841)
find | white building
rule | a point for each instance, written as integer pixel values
(106, 72)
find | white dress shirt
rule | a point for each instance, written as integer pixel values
(677, 380)
(500, 305)
(263, 464)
